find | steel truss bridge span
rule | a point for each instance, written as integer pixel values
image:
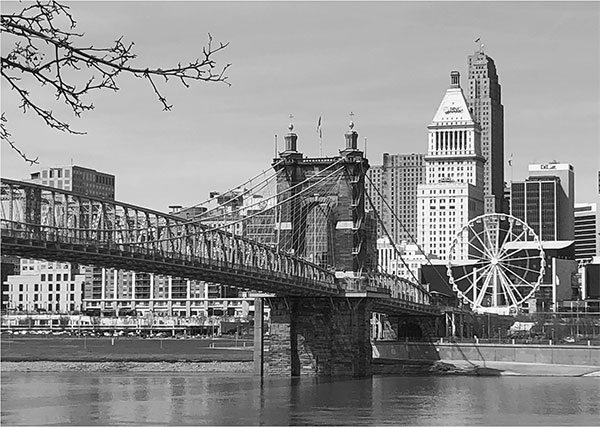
(57, 225)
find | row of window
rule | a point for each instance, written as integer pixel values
(46, 297)
(39, 288)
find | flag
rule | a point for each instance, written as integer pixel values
(319, 128)
(510, 160)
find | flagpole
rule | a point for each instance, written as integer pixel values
(320, 141)
(320, 132)
(511, 182)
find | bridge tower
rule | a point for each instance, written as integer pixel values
(346, 243)
(322, 335)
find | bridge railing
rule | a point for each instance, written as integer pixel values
(400, 288)
(276, 265)
(47, 214)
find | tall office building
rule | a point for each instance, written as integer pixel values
(545, 201)
(587, 231)
(453, 190)
(485, 103)
(394, 183)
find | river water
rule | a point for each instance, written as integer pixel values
(218, 399)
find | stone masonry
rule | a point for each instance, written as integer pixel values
(318, 336)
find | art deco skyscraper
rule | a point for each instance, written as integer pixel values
(452, 193)
(485, 102)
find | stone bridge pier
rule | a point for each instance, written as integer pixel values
(319, 336)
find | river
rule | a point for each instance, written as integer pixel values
(227, 399)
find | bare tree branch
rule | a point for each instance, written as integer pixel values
(45, 54)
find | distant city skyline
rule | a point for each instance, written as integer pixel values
(388, 62)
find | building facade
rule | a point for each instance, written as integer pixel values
(392, 187)
(587, 231)
(403, 260)
(452, 193)
(485, 103)
(86, 181)
(45, 286)
(545, 201)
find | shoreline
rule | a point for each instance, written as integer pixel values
(386, 368)
(126, 366)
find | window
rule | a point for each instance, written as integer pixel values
(66, 277)
(58, 287)
(49, 276)
(50, 287)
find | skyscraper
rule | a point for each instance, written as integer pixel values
(453, 190)
(485, 103)
(394, 183)
(545, 201)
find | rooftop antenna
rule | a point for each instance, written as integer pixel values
(276, 145)
(365, 146)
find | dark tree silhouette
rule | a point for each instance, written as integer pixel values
(44, 54)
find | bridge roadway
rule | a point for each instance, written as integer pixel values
(42, 222)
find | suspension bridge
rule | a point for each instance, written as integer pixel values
(303, 234)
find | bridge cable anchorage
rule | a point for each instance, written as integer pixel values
(412, 238)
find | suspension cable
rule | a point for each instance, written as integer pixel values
(229, 224)
(405, 229)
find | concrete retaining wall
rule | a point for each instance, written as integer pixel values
(544, 354)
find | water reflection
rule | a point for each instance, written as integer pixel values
(201, 399)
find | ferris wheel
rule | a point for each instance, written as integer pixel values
(495, 263)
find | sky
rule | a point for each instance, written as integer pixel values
(387, 62)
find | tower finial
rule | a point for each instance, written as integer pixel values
(351, 124)
(291, 126)
(454, 79)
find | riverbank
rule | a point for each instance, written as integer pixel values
(114, 366)
(106, 349)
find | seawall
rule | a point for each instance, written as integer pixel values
(572, 355)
